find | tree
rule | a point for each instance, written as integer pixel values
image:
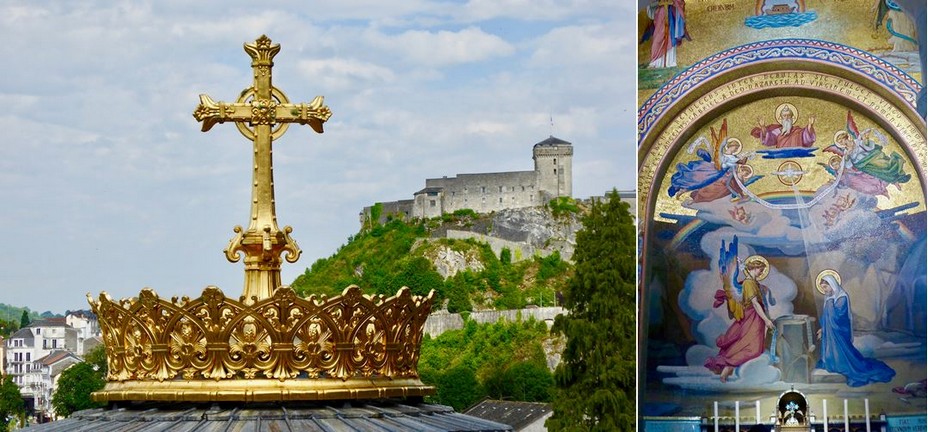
(24, 320)
(505, 256)
(458, 387)
(74, 388)
(97, 358)
(11, 402)
(528, 381)
(596, 378)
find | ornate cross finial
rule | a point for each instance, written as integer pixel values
(262, 114)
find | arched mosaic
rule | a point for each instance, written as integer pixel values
(782, 204)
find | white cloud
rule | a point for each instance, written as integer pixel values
(443, 48)
(342, 74)
(540, 9)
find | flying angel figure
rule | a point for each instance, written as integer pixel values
(711, 177)
(867, 169)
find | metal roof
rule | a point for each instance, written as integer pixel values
(51, 322)
(57, 356)
(432, 190)
(552, 141)
(335, 416)
(23, 333)
(516, 414)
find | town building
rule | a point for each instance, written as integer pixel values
(41, 379)
(39, 352)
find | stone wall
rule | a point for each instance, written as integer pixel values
(486, 192)
(520, 250)
(442, 321)
(401, 209)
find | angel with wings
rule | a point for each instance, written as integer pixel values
(712, 175)
(747, 308)
(867, 169)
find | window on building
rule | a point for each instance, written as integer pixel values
(483, 189)
(500, 200)
(532, 198)
(465, 190)
(431, 203)
(38, 330)
(452, 194)
(555, 170)
(465, 200)
(28, 356)
(523, 188)
(54, 343)
(500, 188)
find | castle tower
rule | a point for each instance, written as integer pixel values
(553, 168)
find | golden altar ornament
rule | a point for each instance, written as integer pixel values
(269, 344)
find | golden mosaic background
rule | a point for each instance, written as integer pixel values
(830, 117)
(717, 25)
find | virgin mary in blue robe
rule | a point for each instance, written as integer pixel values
(838, 354)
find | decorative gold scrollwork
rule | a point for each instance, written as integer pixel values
(282, 337)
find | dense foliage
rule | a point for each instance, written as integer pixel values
(77, 382)
(563, 205)
(11, 402)
(96, 357)
(596, 377)
(500, 361)
(386, 257)
(8, 327)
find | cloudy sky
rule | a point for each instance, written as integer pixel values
(107, 183)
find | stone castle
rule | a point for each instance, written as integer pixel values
(489, 192)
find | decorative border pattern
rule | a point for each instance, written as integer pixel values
(888, 75)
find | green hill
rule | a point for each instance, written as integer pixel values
(504, 360)
(10, 317)
(386, 257)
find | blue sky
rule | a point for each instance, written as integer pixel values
(108, 184)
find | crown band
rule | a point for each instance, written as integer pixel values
(217, 348)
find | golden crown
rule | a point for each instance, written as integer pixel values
(281, 348)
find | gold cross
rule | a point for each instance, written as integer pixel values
(262, 114)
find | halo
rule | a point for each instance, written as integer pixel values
(834, 160)
(791, 107)
(753, 258)
(840, 132)
(749, 168)
(821, 275)
(730, 142)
